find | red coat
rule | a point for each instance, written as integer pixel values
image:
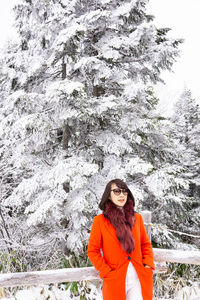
(112, 266)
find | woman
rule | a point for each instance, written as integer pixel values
(127, 261)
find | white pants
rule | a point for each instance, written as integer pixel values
(133, 287)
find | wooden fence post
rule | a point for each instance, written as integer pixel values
(147, 221)
(161, 267)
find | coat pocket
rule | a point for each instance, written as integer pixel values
(148, 270)
(111, 275)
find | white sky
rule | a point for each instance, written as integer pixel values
(182, 16)
(6, 19)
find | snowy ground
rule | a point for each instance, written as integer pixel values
(45, 292)
(53, 293)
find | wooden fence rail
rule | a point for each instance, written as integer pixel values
(89, 273)
(177, 256)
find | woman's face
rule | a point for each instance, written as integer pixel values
(118, 200)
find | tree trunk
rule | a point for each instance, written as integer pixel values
(66, 135)
(64, 69)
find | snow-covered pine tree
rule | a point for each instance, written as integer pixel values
(80, 111)
(185, 131)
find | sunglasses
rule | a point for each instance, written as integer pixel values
(117, 192)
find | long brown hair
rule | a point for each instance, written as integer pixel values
(105, 197)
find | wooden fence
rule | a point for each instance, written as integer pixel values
(89, 273)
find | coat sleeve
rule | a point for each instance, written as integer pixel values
(146, 247)
(94, 249)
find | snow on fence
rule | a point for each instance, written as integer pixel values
(89, 273)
